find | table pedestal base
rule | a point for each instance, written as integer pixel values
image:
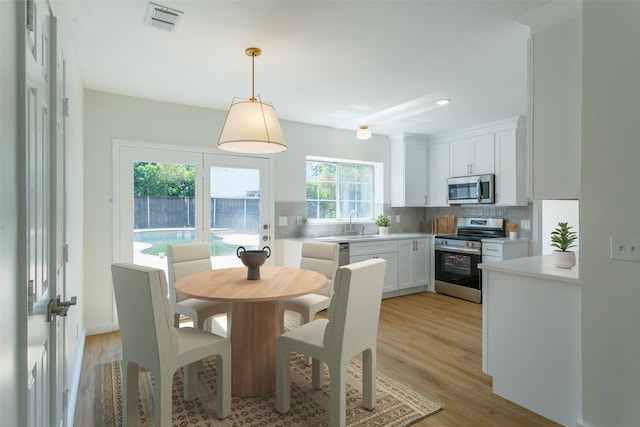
(254, 354)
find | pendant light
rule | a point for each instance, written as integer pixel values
(251, 125)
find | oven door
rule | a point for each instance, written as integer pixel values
(457, 274)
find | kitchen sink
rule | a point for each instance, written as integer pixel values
(350, 237)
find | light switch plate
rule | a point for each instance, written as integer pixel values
(283, 221)
(525, 224)
(625, 248)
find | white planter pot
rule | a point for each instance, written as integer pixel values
(566, 259)
(384, 231)
(513, 235)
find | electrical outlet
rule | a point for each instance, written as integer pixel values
(525, 224)
(625, 248)
(299, 220)
(397, 219)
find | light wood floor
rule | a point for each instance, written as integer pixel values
(433, 343)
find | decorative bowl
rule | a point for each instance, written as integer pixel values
(253, 260)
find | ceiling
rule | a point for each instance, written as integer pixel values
(339, 64)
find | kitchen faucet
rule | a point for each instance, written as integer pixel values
(350, 230)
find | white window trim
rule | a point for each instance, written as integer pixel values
(378, 190)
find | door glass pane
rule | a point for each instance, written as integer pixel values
(163, 208)
(234, 213)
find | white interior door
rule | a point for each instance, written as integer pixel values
(38, 156)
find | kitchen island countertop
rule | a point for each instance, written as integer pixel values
(540, 266)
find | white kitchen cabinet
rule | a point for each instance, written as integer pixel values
(502, 249)
(555, 91)
(511, 166)
(437, 174)
(531, 329)
(385, 249)
(413, 263)
(473, 156)
(408, 171)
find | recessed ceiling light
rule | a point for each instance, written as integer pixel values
(443, 101)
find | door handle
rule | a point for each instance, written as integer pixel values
(59, 308)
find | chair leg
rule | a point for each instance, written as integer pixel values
(162, 399)
(129, 393)
(176, 320)
(306, 318)
(369, 379)
(316, 373)
(282, 310)
(191, 380)
(283, 391)
(223, 384)
(337, 396)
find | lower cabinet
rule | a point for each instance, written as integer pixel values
(503, 249)
(413, 263)
(387, 250)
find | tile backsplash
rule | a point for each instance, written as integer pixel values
(411, 219)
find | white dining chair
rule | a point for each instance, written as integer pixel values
(350, 330)
(185, 259)
(150, 339)
(323, 258)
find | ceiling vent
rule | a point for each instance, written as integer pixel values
(162, 17)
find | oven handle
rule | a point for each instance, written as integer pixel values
(458, 249)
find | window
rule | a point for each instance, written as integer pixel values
(336, 188)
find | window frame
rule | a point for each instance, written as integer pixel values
(377, 189)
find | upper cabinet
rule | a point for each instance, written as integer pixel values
(437, 174)
(555, 98)
(473, 156)
(408, 171)
(498, 148)
(511, 165)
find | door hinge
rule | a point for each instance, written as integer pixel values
(65, 252)
(65, 107)
(30, 15)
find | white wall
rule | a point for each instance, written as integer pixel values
(109, 116)
(610, 205)
(303, 140)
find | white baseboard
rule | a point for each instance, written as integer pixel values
(101, 329)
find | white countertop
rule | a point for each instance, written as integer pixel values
(505, 240)
(364, 238)
(536, 266)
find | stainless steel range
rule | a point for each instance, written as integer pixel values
(457, 257)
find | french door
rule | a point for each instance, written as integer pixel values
(167, 196)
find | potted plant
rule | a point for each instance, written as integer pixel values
(563, 238)
(384, 222)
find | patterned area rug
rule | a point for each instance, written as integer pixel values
(396, 404)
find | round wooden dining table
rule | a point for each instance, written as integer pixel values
(255, 323)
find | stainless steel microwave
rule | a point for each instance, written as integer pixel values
(471, 189)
